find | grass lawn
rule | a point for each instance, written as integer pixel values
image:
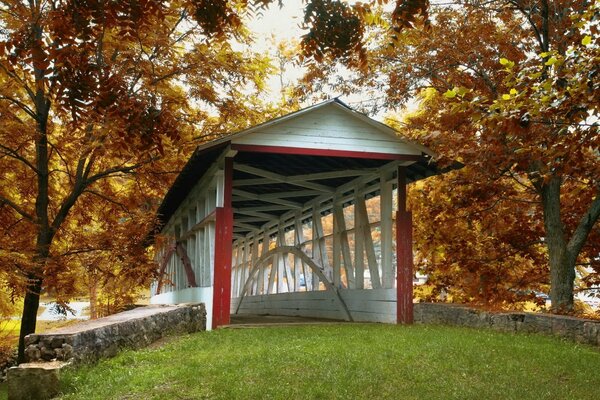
(351, 361)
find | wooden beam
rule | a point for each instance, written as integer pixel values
(318, 225)
(282, 178)
(186, 262)
(200, 225)
(250, 219)
(324, 152)
(345, 245)
(254, 196)
(245, 226)
(299, 267)
(336, 251)
(252, 213)
(359, 244)
(361, 208)
(340, 195)
(290, 193)
(253, 262)
(386, 217)
(246, 266)
(263, 279)
(316, 247)
(234, 270)
(306, 177)
(163, 266)
(284, 260)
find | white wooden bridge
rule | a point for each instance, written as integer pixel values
(303, 215)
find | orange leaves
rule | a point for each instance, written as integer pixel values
(408, 12)
(475, 242)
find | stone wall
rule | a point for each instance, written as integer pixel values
(47, 354)
(104, 337)
(576, 329)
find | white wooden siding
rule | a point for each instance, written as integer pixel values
(328, 128)
(365, 305)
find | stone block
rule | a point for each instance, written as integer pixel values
(567, 327)
(502, 322)
(47, 353)
(31, 339)
(537, 323)
(34, 381)
(32, 353)
(591, 333)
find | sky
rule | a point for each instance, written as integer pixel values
(279, 24)
(276, 25)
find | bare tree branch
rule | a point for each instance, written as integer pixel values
(19, 210)
(14, 154)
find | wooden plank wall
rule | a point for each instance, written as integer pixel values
(373, 305)
(328, 128)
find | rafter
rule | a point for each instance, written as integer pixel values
(305, 177)
(282, 178)
(254, 196)
(252, 213)
(249, 227)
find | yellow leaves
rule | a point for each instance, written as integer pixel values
(587, 40)
(551, 61)
(450, 94)
(459, 91)
(507, 64)
(513, 93)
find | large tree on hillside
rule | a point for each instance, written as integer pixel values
(92, 104)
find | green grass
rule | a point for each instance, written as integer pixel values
(353, 361)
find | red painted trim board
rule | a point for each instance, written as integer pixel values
(223, 253)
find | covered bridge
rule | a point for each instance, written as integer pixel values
(302, 215)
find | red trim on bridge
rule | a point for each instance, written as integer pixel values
(223, 253)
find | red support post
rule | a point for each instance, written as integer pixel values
(404, 254)
(223, 252)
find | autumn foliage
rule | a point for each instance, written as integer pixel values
(96, 119)
(510, 89)
(102, 102)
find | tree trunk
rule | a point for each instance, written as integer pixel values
(93, 290)
(562, 267)
(29, 316)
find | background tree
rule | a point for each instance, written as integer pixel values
(94, 109)
(513, 93)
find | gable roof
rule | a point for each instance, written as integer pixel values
(334, 103)
(387, 138)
